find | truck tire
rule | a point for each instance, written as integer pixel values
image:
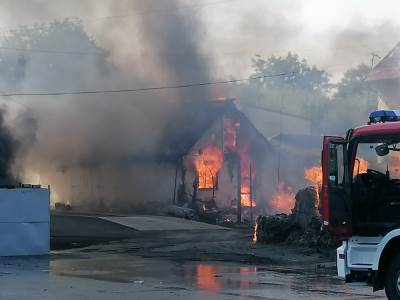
(392, 279)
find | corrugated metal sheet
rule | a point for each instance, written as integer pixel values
(24, 221)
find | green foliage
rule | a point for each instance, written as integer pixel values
(310, 93)
(352, 102)
(305, 77)
(303, 91)
(58, 55)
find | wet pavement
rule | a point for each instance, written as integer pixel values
(103, 273)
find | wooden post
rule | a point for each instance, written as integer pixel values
(176, 179)
(239, 193)
(251, 195)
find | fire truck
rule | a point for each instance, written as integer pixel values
(362, 207)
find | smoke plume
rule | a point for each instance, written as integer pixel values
(112, 150)
(8, 148)
(108, 151)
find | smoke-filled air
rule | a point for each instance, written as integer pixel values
(117, 149)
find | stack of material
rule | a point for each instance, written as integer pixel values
(303, 226)
(274, 228)
(305, 209)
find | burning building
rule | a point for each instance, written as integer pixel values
(226, 168)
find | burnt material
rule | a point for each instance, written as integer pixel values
(302, 227)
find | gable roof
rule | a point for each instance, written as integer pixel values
(388, 67)
(219, 110)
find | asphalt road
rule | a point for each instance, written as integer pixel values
(103, 275)
(176, 264)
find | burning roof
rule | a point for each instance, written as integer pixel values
(182, 141)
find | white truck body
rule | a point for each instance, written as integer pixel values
(24, 221)
(362, 253)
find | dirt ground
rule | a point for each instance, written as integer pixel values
(178, 264)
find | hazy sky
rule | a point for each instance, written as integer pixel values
(334, 34)
(159, 42)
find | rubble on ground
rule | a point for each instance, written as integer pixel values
(181, 212)
(302, 227)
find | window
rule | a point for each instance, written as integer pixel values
(336, 164)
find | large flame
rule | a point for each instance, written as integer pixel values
(284, 199)
(360, 166)
(208, 163)
(313, 175)
(245, 176)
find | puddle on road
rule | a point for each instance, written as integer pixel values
(209, 277)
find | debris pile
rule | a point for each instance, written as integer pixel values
(302, 227)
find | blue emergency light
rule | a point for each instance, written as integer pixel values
(382, 116)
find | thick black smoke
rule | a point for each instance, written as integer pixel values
(110, 150)
(177, 39)
(8, 148)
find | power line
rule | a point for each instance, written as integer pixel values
(165, 87)
(50, 51)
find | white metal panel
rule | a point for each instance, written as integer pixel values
(24, 205)
(24, 221)
(24, 238)
(361, 252)
(341, 266)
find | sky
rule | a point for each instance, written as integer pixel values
(334, 35)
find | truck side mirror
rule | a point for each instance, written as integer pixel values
(382, 150)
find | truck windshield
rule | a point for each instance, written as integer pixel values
(367, 158)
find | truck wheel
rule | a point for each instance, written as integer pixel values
(392, 279)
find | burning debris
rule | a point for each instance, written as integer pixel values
(302, 226)
(283, 200)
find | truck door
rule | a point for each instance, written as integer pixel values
(336, 208)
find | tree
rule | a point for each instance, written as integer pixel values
(303, 90)
(351, 103)
(59, 55)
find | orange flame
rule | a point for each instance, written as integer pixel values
(208, 163)
(284, 199)
(360, 166)
(245, 190)
(230, 144)
(313, 175)
(255, 233)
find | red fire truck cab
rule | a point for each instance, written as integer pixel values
(361, 206)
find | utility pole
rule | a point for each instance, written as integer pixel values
(251, 195)
(239, 191)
